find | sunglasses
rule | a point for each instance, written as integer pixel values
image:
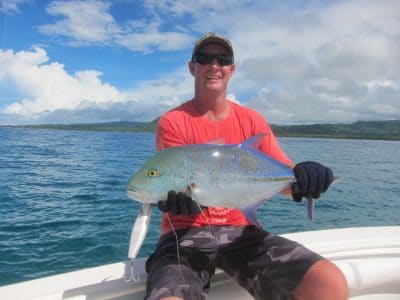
(206, 59)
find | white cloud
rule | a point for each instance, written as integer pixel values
(84, 22)
(47, 86)
(9, 6)
(151, 39)
(49, 93)
(318, 70)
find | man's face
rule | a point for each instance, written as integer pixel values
(212, 76)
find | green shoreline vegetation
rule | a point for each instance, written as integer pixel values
(377, 130)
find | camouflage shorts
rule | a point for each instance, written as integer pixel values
(266, 265)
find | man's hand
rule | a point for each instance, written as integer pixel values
(179, 204)
(312, 179)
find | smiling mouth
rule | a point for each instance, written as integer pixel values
(212, 79)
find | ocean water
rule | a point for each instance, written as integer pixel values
(63, 203)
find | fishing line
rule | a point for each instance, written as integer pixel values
(208, 224)
(177, 247)
(191, 193)
(208, 221)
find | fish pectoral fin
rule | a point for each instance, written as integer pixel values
(191, 189)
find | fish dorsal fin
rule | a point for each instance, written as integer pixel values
(253, 142)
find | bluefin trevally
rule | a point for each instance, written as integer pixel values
(221, 175)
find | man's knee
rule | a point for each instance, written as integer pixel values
(324, 280)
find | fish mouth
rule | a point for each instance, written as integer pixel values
(137, 194)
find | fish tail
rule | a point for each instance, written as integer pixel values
(310, 208)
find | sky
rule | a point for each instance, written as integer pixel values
(297, 62)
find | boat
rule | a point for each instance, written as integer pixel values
(368, 256)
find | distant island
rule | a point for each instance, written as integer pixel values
(379, 130)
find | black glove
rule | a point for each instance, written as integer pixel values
(179, 204)
(312, 179)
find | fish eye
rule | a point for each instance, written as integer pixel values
(153, 173)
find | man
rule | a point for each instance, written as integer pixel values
(268, 266)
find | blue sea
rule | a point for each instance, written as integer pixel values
(63, 203)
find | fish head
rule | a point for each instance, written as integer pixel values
(163, 172)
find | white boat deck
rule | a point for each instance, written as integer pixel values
(368, 256)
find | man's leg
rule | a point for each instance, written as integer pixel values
(323, 280)
(183, 274)
(175, 282)
(266, 265)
